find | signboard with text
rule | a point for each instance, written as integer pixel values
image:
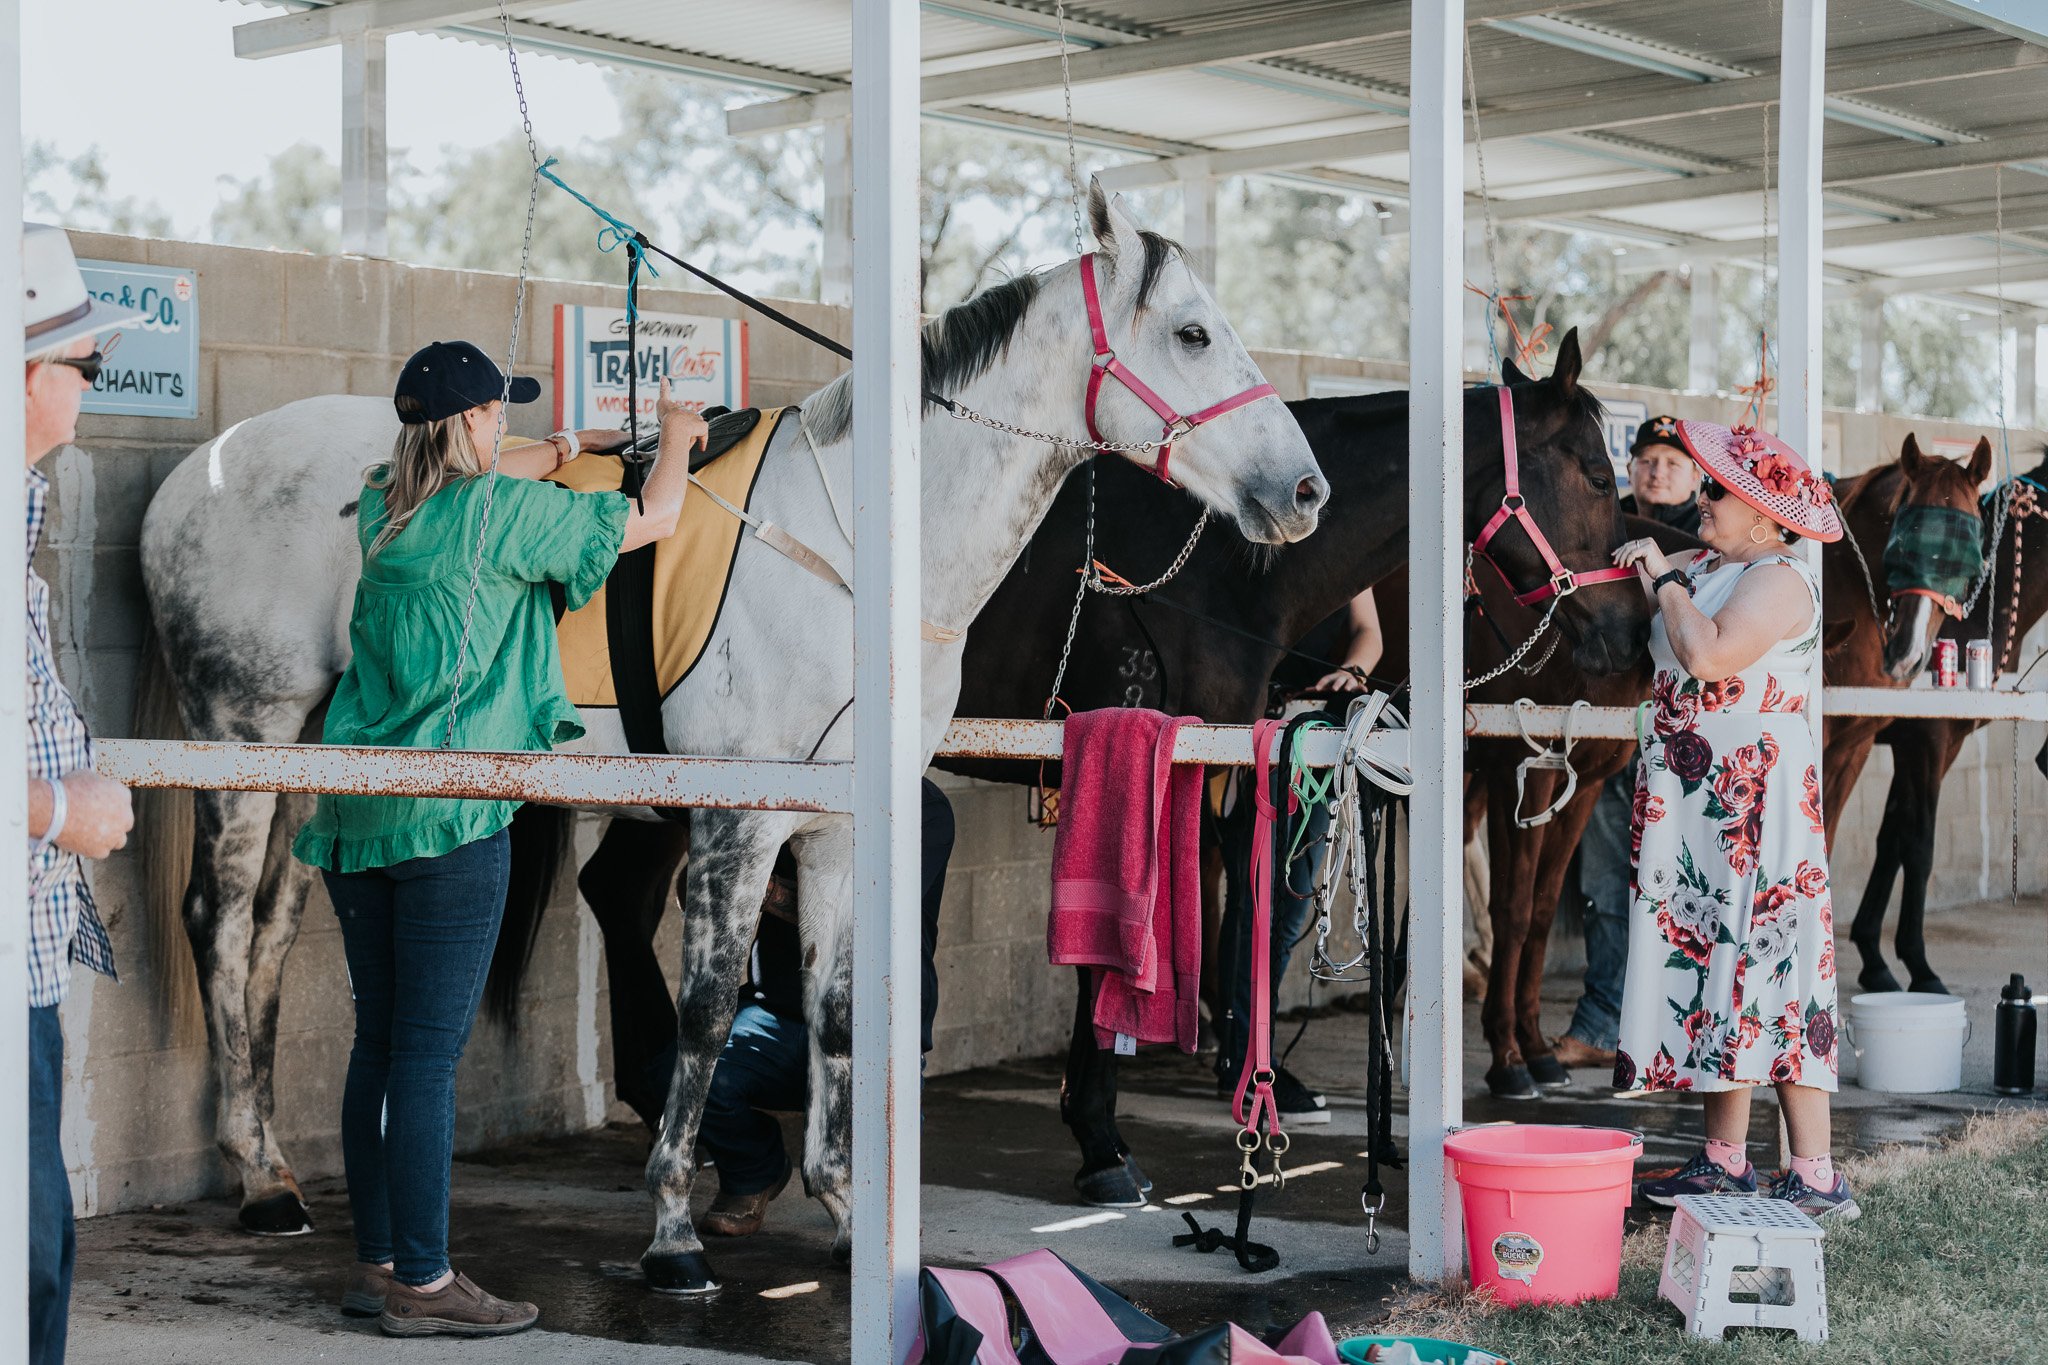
(704, 360)
(152, 368)
(1624, 415)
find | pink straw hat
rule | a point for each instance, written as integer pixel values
(1765, 473)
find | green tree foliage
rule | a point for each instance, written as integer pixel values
(78, 192)
(295, 205)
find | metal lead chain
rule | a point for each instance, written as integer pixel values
(1520, 653)
(1097, 583)
(967, 414)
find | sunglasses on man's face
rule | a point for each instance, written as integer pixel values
(88, 366)
(1711, 491)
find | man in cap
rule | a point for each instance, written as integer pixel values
(73, 813)
(1664, 485)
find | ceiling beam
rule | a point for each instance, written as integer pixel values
(2026, 215)
(1882, 163)
(2024, 271)
(2021, 18)
(1175, 52)
(1876, 72)
(323, 27)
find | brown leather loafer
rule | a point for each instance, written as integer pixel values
(740, 1215)
(1576, 1053)
(457, 1309)
(363, 1296)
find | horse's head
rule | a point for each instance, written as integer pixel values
(1567, 483)
(1934, 552)
(1249, 462)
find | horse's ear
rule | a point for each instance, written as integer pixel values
(1510, 372)
(1565, 373)
(1910, 458)
(1116, 240)
(1980, 461)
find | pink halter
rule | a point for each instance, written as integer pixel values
(1106, 364)
(1563, 582)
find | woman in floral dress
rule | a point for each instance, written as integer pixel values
(1731, 975)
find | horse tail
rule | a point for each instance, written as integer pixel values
(164, 825)
(540, 844)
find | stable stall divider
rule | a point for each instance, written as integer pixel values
(1436, 498)
(13, 731)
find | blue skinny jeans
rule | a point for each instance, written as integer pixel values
(418, 936)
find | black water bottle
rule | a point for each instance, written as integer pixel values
(2012, 1067)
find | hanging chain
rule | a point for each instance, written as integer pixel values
(967, 414)
(1869, 584)
(1485, 202)
(1522, 651)
(1097, 583)
(476, 563)
(1059, 14)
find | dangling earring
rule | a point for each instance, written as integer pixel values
(1758, 535)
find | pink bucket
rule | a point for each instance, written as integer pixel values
(1543, 1208)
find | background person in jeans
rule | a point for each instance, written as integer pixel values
(1663, 484)
(419, 883)
(766, 1062)
(1351, 637)
(73, 812)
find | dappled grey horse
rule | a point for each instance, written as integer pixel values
(250, 558)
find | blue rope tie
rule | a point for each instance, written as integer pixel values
(615, 233)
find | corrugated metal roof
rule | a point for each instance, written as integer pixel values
(1569, 57)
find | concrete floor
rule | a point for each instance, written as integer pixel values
(563, 1222)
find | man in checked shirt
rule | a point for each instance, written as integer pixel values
(73, 813)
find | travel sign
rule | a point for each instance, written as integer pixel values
(152, 368)
(704, 360)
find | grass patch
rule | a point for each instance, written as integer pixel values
(1949, 1262)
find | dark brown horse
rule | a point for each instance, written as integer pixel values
(1923, 750)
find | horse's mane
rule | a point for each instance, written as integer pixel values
(957, 347)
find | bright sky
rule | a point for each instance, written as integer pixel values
(156, 84)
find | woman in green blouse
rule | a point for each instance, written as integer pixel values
(419, 882)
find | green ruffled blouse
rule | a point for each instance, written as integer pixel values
(406, 628)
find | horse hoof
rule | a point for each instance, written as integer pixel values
(1138, 1174)
(842, 1251)
(282, 1214)
(1512, 1083)
(1550, 1073)
(1116, 1187)
(1928, 985)
(678, 1272)
(1877, 978)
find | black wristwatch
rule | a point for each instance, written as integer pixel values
(1677, 576)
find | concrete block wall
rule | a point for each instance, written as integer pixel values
(279, 326)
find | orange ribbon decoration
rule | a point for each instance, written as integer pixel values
(1526, 348)
(1761, 387)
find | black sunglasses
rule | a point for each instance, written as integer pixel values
(88, 366)
(1711, 491)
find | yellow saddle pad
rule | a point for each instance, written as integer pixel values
(690, 572)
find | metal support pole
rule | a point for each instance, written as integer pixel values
(1436, 499)
(1870, 356)
(1703, 345)
(1198, 222)
(365, 169)
(888, 678)
(1802, 83)
(13, 733)
(2024, 381)
(835, 274)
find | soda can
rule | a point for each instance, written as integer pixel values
(1945, 673)
(1978, 674)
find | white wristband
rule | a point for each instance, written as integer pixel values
(60, 806)
(568, 434)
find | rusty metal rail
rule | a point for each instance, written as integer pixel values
(772, 784)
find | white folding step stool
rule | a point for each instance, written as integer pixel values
(1723, 1245)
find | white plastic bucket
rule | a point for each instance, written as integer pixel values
(1908, 1043)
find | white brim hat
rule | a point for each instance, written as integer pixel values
(56, 308)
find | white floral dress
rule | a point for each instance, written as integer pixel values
(1731, 964)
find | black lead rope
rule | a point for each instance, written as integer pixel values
(634, 467)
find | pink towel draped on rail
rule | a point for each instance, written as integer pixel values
(1126, 874)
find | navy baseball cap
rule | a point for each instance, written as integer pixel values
(447, 377)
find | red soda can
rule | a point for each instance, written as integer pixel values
(1945, 672)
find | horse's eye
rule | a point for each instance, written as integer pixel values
(1194, 334)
